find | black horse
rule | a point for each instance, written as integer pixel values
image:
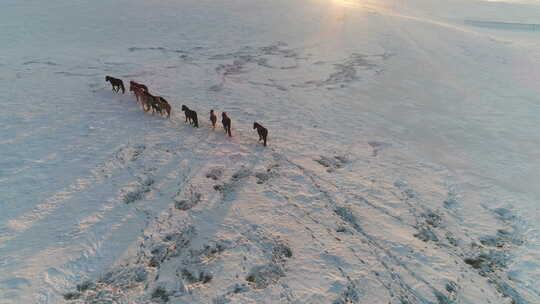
(213, 119)
(263, 132)
(226, 121)
(191, 116)
(116, 83)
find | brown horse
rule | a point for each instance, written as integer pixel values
(226, 121)
(137, 89)
(116, 83)
(213, 119)
(138, 92)
(164, 105)
(263, 132)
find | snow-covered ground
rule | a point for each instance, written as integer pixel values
(402, 164)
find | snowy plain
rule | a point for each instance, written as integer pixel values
(402, 165)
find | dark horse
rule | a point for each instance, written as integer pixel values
(226, 121)
(164, 105)
(213, 119)
(191, 116)
(148, 101)
(263, 132)
(116, 83)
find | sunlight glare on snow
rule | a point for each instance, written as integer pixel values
(347, 3)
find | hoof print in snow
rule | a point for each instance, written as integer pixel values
(229, 187)
(452, 239)
(130, 153)
(346, 215)
(111, 287)
(240, 288)
(136, 191)
(122, 278)
(489, 262)
(452, 287)
(176, 243)
(502, 239)
(280, 253)
(160, 294)
(401, 185)
(332, 163)
(209, 252)
(263, 276)
(240, 174)
(215, 173)
(450, 203)
(505, 215)
(235, 289)
(378, 146)
(262, 177)
(195, 277)
(443, 299)
(343, 229)
(193, 198)
(86, 285)
(349, 295)
(70, 296)
(159, 254)
(432, 219)
(425, 234)
(132, 196)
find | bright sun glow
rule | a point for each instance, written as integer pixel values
(347, 3)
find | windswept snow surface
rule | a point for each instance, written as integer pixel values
(402, 166)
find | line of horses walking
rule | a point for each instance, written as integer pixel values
(159, 105)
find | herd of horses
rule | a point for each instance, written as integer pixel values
(159, 105)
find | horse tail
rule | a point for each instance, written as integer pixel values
(195, 119)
